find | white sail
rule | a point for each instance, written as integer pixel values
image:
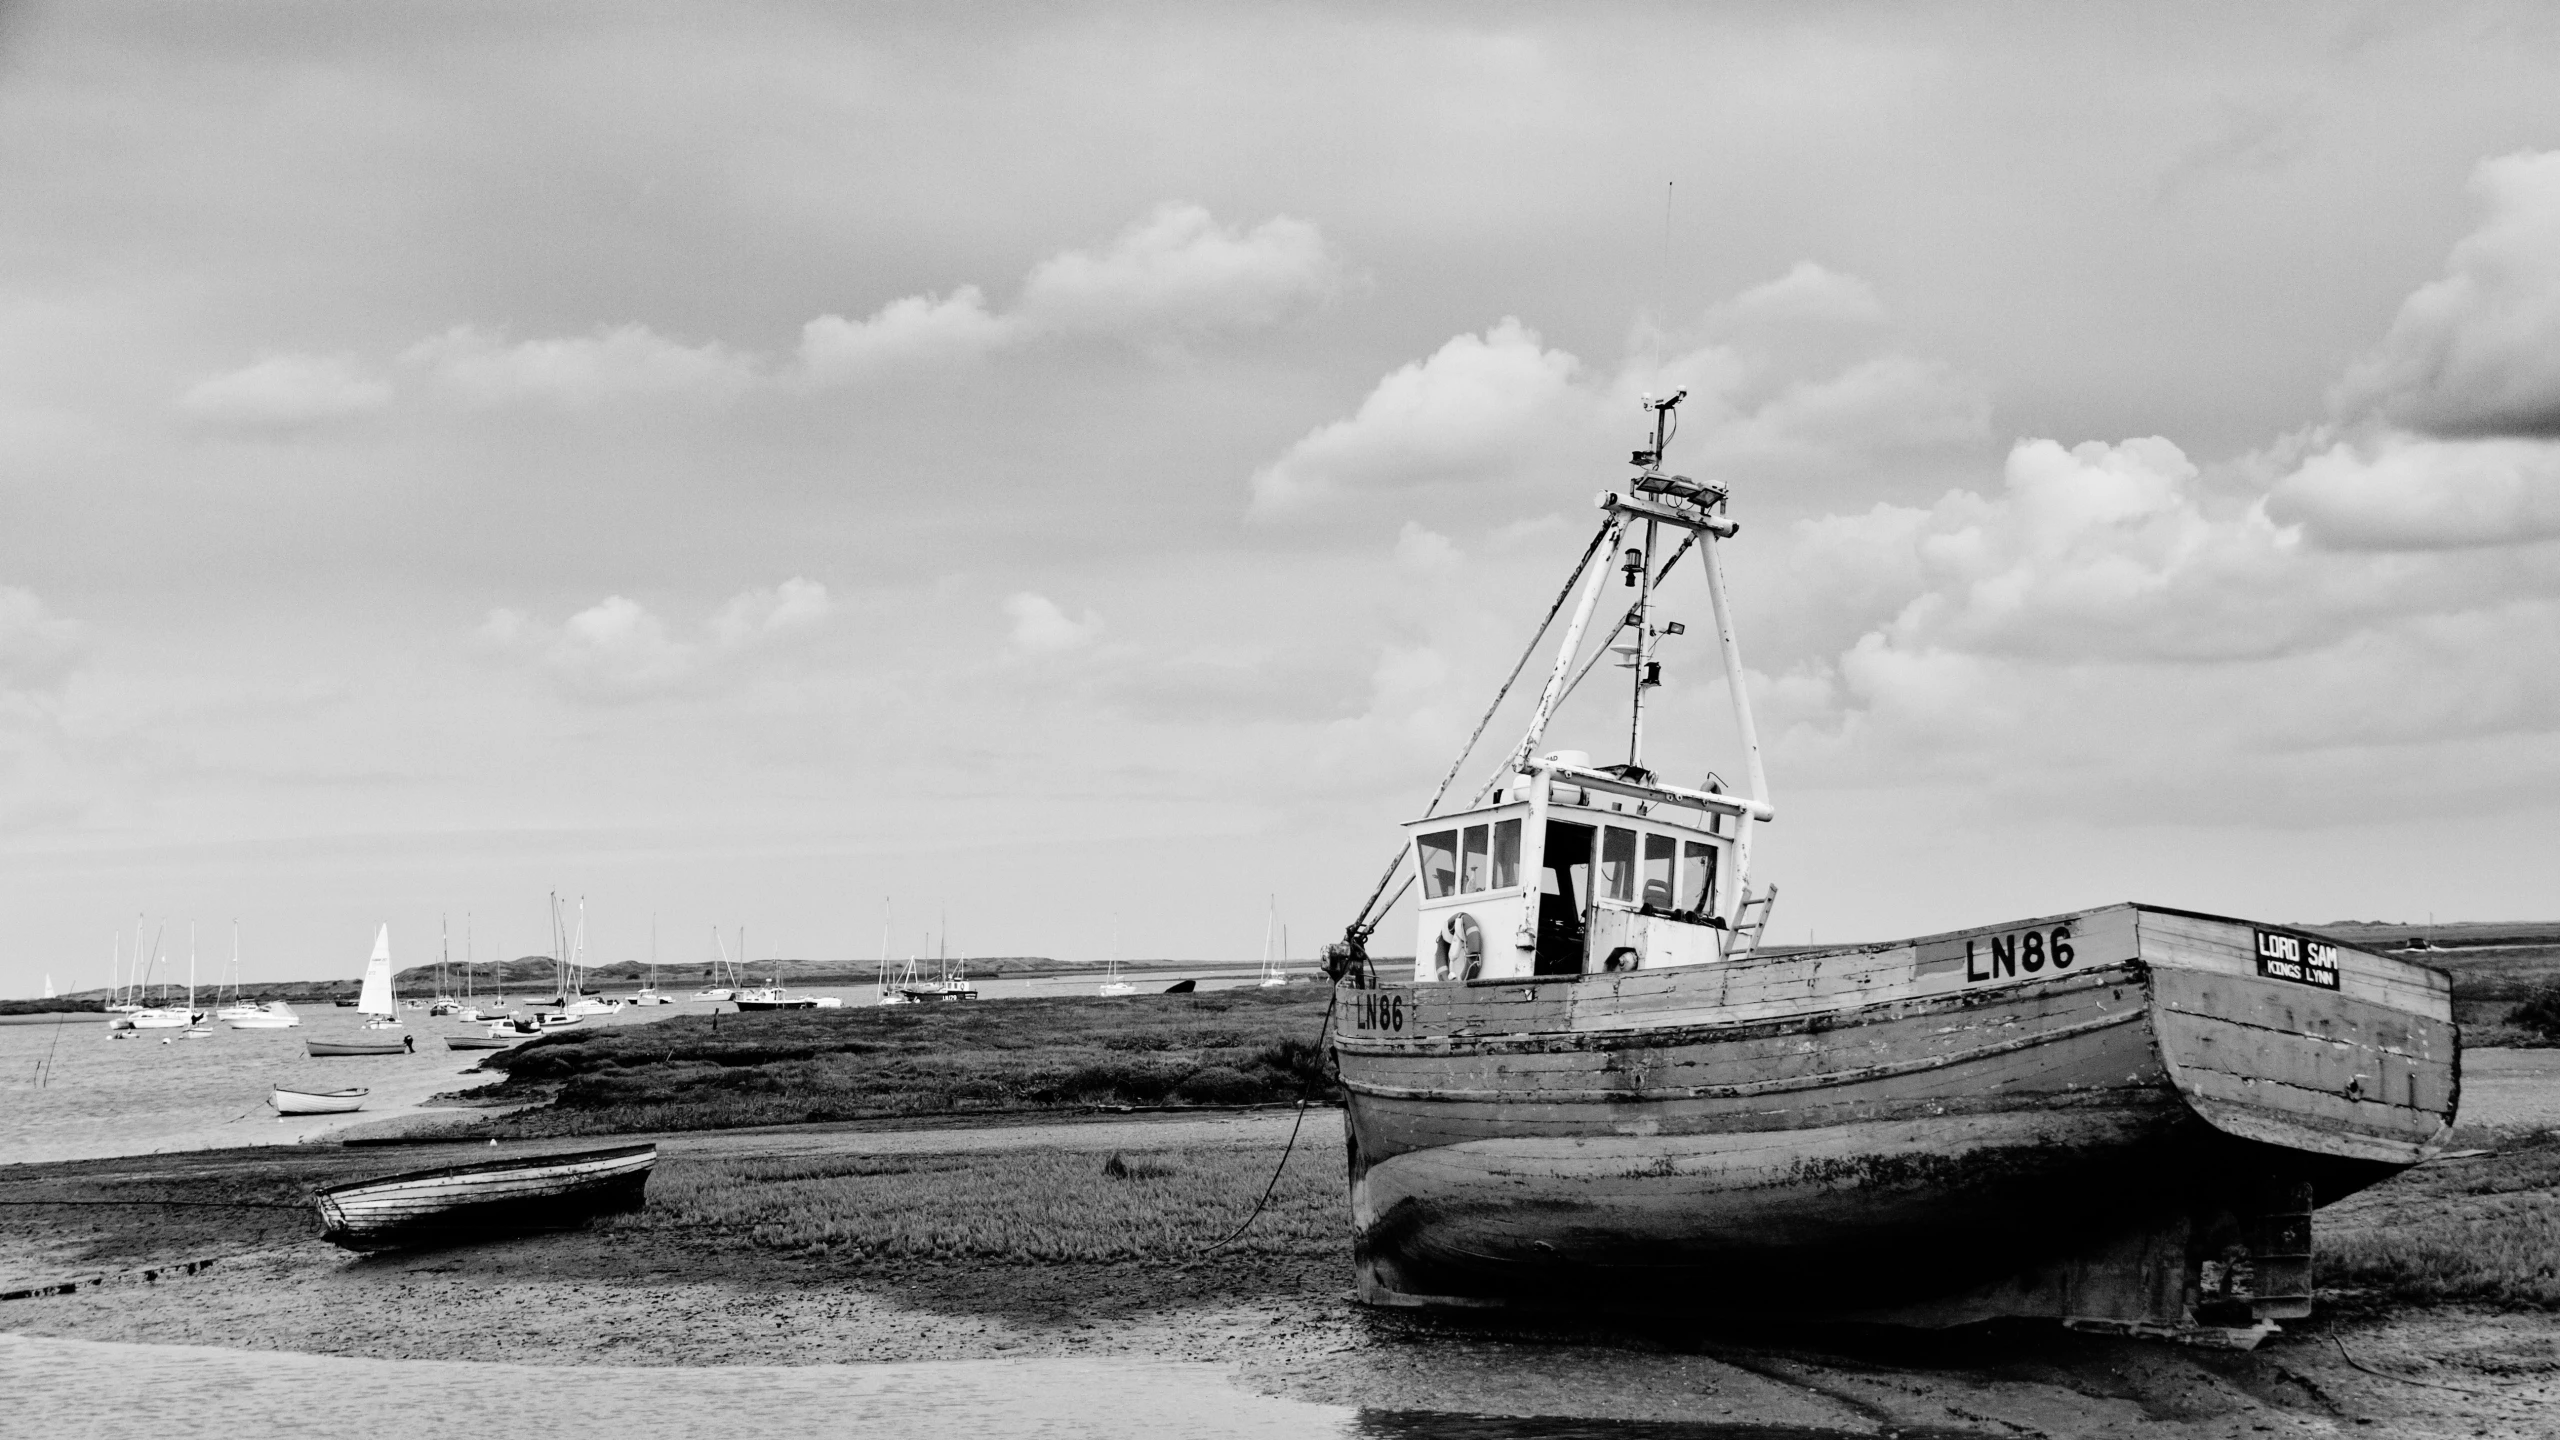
(376, 999)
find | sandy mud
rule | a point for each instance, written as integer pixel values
(626, 1294)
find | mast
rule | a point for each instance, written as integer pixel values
(1742, 722)
(1557, 682)
(191, 972)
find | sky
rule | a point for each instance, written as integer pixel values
(1064, 480)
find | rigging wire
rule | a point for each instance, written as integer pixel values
(1527, 651)
(1594, 662)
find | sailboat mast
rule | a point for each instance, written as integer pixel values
(191, 972)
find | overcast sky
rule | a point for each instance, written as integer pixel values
(1085, 468)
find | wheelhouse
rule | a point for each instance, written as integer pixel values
(1572, 871)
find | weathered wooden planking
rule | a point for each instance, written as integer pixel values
(1755, 987)
(2180, 939)
(1857, 1114)
(487, 1198)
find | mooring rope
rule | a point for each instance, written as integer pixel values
(2404, 1379)
(1304, 1092)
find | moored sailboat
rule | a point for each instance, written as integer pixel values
(1596, 1088)
(376, 1003)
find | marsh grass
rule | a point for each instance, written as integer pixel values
(1233, 1047)
(2483, 1231)
(1020, 1206)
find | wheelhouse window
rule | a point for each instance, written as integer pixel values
(1698, 871)
(1438, 853)
(1473, 862)
(1618, 863)
(1661, 858)
(1506, 854)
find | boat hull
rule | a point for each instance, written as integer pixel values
(482, 1042)
(315, 1102)
(1870, 1133)
(777, 1004)
(465, 1203)
(319, 1048)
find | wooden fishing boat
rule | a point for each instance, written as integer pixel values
(1596, 1087)
(288, 1101)
(318, 1048)
(484, 1201)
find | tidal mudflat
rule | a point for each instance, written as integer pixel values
(855, 1243)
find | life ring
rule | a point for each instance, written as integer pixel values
(1459, 952)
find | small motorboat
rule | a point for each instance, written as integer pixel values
(496, 1038)
(771, 997)
(316, 1102)
(273, 1015)
(486, 1201)
(713, 994)
(344, 1004)
(388, 1045)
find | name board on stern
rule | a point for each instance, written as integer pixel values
(2298, 958)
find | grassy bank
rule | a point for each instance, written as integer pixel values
(2482, 1230)
(1227, 1047)
(1019, 1207)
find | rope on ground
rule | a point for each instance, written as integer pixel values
(1304, 1092)
(2407, 1379)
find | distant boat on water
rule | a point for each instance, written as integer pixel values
(272, 1015)
(496, 1039)
(484, 1201)
(239, 1008)
(381, 1045)
(1112, 985)
(375, 999)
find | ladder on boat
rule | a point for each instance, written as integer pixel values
(1744, 937)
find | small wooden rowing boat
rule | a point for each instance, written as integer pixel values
(464, 1203)
(388, 1046)
(316, 1102)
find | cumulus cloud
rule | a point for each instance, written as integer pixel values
(920, 329)
(1176, 275)
(37, 647)
(1471, 408)
(2403, 492)
(616, 649)
(2106, 628)
(1790, 383)
(286, 392)
(616, 362)
(1042, 628)
(1179, 271)
(2477, 352)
